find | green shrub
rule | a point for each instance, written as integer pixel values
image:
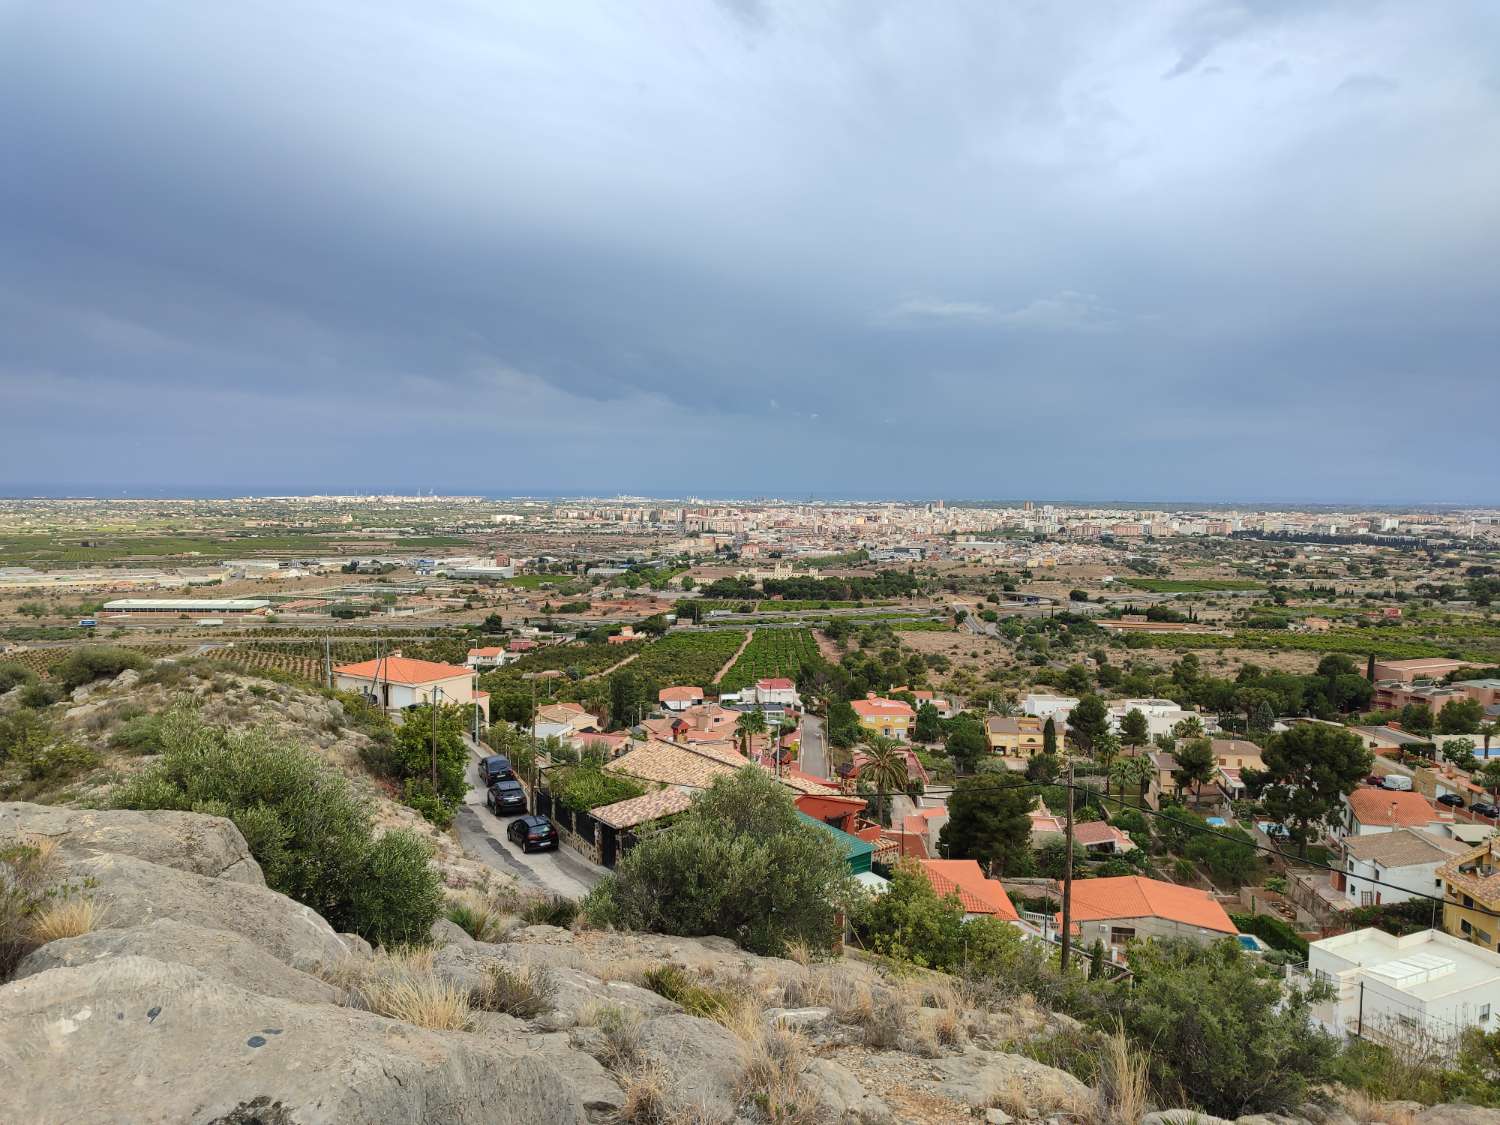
(740, 864)
(581, 788)
(418, 793)
(695, 999)
(13, 675)
(101, 662)
(54, 761)
(305, 826)
(139, 735)
(554, 910)
(40, 695)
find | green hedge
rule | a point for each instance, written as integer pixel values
(1273, 931)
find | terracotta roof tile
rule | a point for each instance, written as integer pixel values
(1133, 896)
(964, 877)
(403, 670)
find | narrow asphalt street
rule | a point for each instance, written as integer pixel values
(482, 835)
(813, 755)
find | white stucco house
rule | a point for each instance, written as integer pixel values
(397, 682)
(1394, 866)
(1428, 985)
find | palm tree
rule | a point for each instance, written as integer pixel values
(749, 723)
(885, 766)
(1135, 770)
(1190, 727)
(1488, 730)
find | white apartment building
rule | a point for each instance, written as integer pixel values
(1428, 985)
(1045, 706)
(1161, 715)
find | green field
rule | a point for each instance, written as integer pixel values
(69, 550)
(687, 658)
(1192, 585)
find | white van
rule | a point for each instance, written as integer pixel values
(1398, 782)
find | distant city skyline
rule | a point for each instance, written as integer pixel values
(1246, 251)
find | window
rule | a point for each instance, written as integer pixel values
(1463, 925)
(1484, 1013)
(1366, 898)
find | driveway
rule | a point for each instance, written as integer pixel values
(482, 835)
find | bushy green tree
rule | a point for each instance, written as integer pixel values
(1133, 728)
(1309, 769)
(1221, 1029)
(412, 758)
(1461, 716)
(967, 742)
(310, 833)
(929, 726)
(988, 821)
(740, 863)
(1089, 721)
(843, 724)
(1049, 736)
(910, 922)
(13, 675)
(1196, 765)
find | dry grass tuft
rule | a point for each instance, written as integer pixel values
(886, 1026)
(1010, 1095)
(800, 952)
(525, 992)
(420, 999)
(480, 916)
(65, 918)
(1362, 1107)
(622, 1037)
(773, 1059)
(632, 970)
(646, 1097)
(1123, 1083)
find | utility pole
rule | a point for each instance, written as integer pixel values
(328, 658)
(432, 702)
(1067, 902)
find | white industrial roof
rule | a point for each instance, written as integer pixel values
(188, 605)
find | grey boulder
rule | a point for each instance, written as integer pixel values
(229, 956)
(134, 1039)
(134, 893)
(204, 845)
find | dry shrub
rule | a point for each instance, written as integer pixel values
(421, 999)
(65, 918)
(1051, 1095)
(886, 1026)
(525, 992)
(646, 1097)
(1123, 1083)
(1009, 1094)
(622, 1037)
(773, 1059)
(1362, 1107)
(632, 970)
(28, 871)
(800, 952)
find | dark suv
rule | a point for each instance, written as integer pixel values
(532, 832)
(506, 797)
(494, 768)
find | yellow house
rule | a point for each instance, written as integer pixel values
(1016, 737)
(1471, 895)
(889, 718)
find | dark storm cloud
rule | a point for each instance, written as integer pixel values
(1182, 248)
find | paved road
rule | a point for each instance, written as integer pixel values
(482, 835)
(813, 756)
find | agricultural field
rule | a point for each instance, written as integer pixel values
(1192, 585)
(687, 658)
(43, 660)
(771, 652)
(1389, 644)
(105, 548)
(580, 659)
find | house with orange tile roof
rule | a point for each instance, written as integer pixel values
(1370, 810)
(494, 656)
(892, 845)
(562, 720)
(981, 897)
(1096, 837)
(1117, 911)
(680, 697)
(397, 682)
(927, 823)
(889, 718)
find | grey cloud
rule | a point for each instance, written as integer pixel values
(305, 241)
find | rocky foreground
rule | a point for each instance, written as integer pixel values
(199, 995)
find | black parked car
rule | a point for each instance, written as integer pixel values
(532, 832)
(1484, 808)
(495, 767)
(1452, 800)
(505, 797)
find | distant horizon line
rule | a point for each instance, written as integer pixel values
(10, 492)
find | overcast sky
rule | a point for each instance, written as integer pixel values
(1155, 250)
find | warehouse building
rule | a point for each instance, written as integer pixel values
(186, 605)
